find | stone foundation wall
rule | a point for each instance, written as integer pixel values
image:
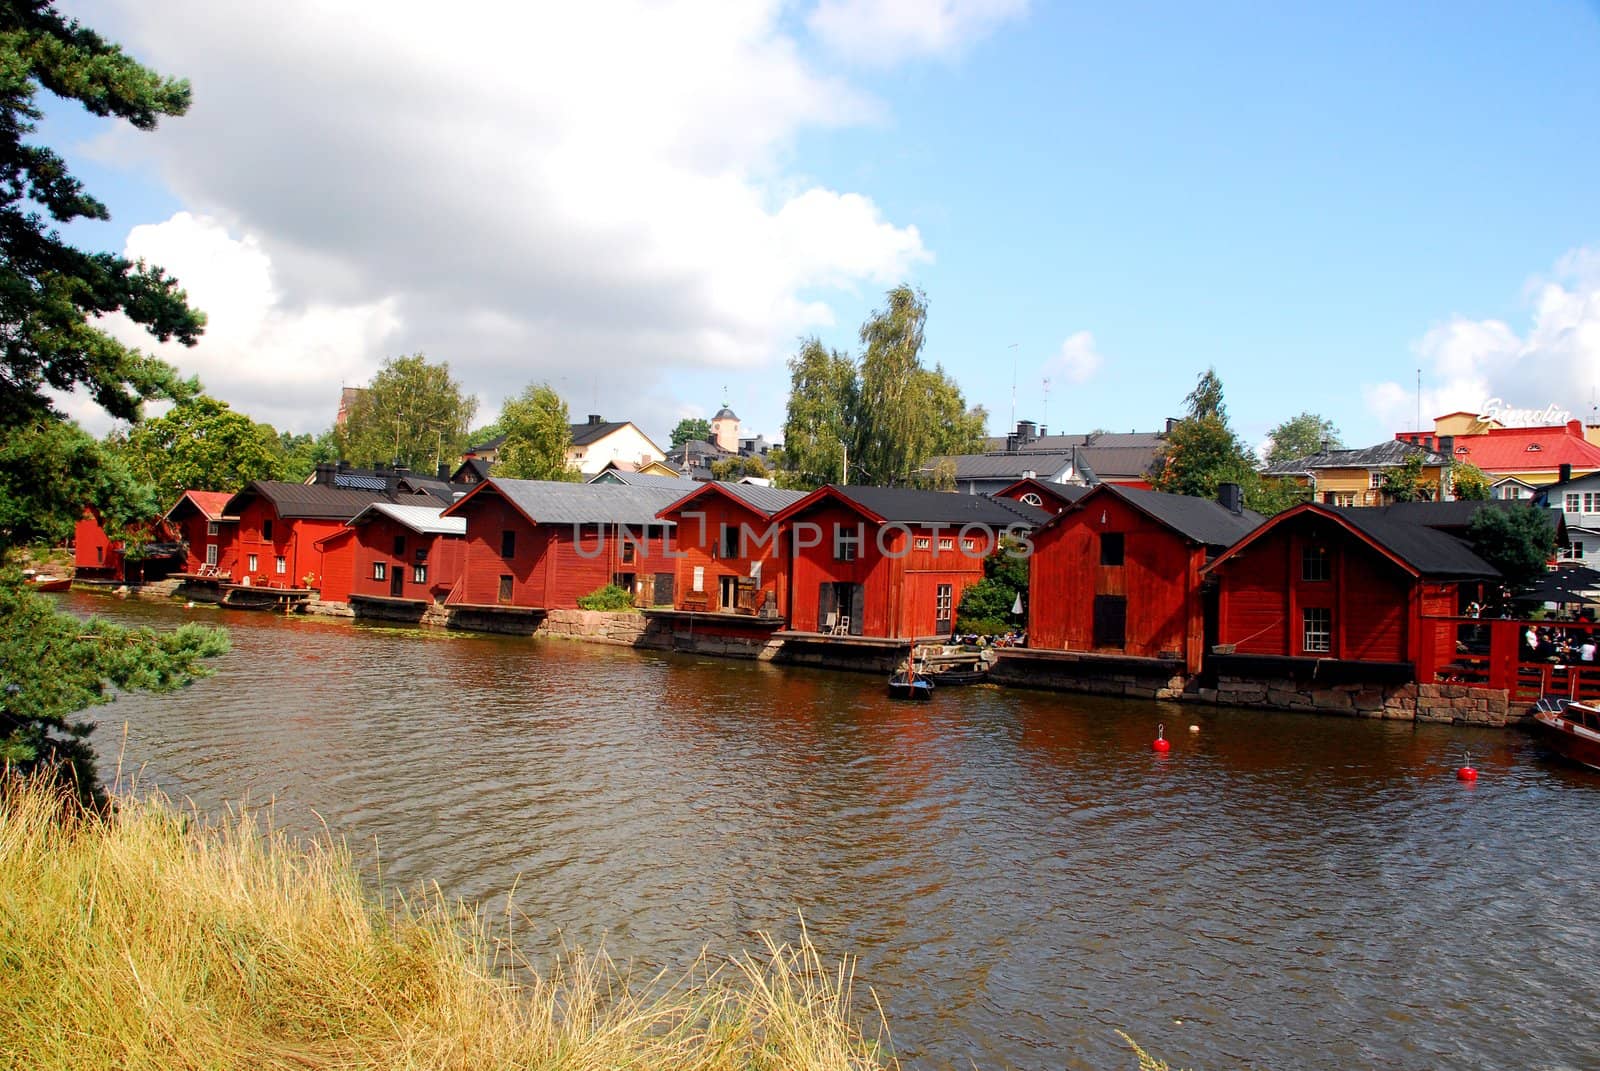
(663, 634)
(1447, 703)
(622, 629)
(1124, 677)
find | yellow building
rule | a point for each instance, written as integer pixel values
(1355, 477)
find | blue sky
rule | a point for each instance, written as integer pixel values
(1316, 202)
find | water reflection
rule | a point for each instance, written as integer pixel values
(1018, 873)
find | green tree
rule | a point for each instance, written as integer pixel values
(1468, 482)
(52, 665)
(49, 291)
(538, 432)
(887, 414)
(301, 454)
(413, 413)
(986, 606)
(200, 444)
(50, 470)
(822, 390)
(690, 428)
(1405, 482)
(1518, 540)
(1302, 436)
(732, 468)
(1203, 451)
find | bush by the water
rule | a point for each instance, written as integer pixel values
(611, 597)
(149, 938)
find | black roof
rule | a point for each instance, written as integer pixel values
(318, 501)
(588, 432)
(912, 506)
(1387, 453)
(1431, 551)
(1201, 519)
(1456, 515)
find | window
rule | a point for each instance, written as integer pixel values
(213, 528)
(505, 589)
(846, 545)
(1572, 502)
(923, 543)
(1339, 498)
(943, 597)
(422, 553)
(1573, 551)
(1591, 502)
(508, 544)
(399, 546)
(1032, 499)
(1314, 564)
(628, 552)
(280, 565)
(729, 541)
(211, 554)
(947, 544)
(1111, 548)
(1374, 480)
(969, 544)
(699, 578)
(419, 574)
(380, 570)
(253, 564)
(1317, 629)
(266, 530)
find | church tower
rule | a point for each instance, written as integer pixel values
(725, 429)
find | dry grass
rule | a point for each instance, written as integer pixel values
(155, 939)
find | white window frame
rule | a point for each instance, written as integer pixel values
(254, 564)
(699, 582)
(211, 554)
(1374, 480)
(380, 570)
(280, 565)
(1316, 629)
(1573, 500)
(419, 574)
(213, 528)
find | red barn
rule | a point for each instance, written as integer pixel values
(1352, 585)
(729, 557)
(539, 545)
(284, 531)
(890, 562)
(403, 552)
(1119, 572)
(1053, 498)
(97, 555)
(208, 535)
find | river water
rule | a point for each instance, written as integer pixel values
(1017, 873)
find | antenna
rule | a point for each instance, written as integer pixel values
(1013, 349)
(1419, 400)
(1046, 420)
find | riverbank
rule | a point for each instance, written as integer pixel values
(159, 939)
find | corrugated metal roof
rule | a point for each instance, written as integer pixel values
(644, 479)
(768, 500)
(1002, 466)
(1117, 462)
(424, 520)
(210, 504)
(309, 500)
(1385, 454)
(548, 502)
(911, 506)
(1200, 519)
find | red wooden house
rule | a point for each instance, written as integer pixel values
(97, 555)
(1053, 498)
(1347, 585)
(208, 535)
(729, 559)
(285, 529)
(1119, 572)
(890, 562)
(401, 552)
(538, 545)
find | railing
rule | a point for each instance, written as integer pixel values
(1495, 653)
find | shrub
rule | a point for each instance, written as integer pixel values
(611, 598)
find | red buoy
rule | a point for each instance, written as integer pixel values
(1161, 745)
(1466, 773)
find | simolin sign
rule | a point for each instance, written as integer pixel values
(1496, 409)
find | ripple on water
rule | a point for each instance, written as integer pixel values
(1018, 874)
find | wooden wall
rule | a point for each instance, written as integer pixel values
(697, 539)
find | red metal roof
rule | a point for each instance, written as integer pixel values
(209, 503)
(1505, 450)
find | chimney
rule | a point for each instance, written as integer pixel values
(324, 474)
(1011, 443)
(1323, 449)
(594, 418)
(344, 466)
(1230, 496)
(1172, 422)
(444, 470)
(1027, 431)
(1575, 427)
(1566, 471)
(1043, 431)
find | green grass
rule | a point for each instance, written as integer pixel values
(156, 938)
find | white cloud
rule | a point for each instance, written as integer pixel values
(1078, 360)
(594, 194)
(269, 357)
(1464, 361)
(884, 32)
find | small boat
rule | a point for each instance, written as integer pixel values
(910, 686)
(949, 678)
(1569, 728)
(46, 581)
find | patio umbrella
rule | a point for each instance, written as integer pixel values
(1563, 586)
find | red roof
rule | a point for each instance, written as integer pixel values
(1529, 449)
(209, 503)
